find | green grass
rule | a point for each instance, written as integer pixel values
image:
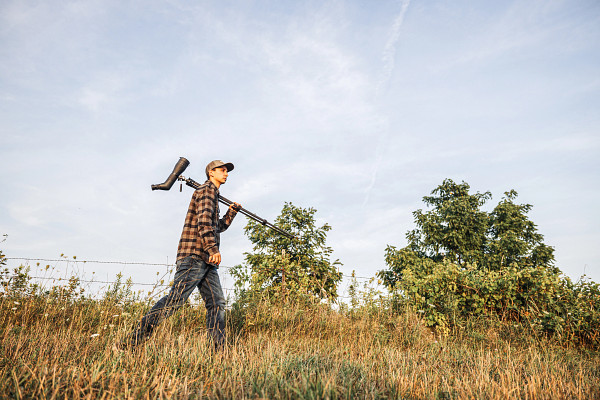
(64, 349)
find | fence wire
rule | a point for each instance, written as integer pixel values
(75, 260)
(131, 263)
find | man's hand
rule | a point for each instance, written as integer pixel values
(215, 259)
(235, 207)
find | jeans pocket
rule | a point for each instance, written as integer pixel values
(184, 264)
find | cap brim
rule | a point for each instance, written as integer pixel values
(228, 165)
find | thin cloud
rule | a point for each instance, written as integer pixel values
(389, 62)
(389, 52)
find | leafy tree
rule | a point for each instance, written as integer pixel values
(513, 238)
(462, 262)
(457, 231)
(291, 266)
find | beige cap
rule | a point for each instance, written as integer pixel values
(216, 164)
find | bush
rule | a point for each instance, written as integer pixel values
(447, 295)
(280, 266)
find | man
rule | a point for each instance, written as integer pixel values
(198, 258)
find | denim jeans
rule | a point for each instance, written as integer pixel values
(192, 272)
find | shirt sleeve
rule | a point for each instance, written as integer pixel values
(227, 219)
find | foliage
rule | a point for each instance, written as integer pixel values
(4, 271)
(120, 292)
(18, 283)
(455, 229)
(448, 295)
(2, 256)
(280, 266)
(458, 231)
(513, 238)
(462, 262)
(290, 351)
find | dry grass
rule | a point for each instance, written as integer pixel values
(50, 350)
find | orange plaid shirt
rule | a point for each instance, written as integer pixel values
(202, 227)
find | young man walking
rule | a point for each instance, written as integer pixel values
(198, 258)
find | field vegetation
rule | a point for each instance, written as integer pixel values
(60, 345)
(474, 308)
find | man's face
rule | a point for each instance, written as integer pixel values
(219, 174)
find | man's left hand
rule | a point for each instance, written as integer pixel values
(235, 207)
(215, 259)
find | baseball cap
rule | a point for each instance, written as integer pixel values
(216, 164)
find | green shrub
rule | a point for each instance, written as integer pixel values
(447, 295)
(280, 266)
(462, 262)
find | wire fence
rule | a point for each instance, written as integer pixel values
(130, 263)
(355, 279)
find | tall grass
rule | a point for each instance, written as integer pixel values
(62, 347)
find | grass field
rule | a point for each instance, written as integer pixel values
(64, 349)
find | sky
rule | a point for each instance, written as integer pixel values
(355, 108)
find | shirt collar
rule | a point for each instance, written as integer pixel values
(209, 182)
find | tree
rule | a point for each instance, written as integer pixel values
(456, 230)
(282, 265)
(513, 238)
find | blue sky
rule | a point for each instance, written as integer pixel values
(356, 108)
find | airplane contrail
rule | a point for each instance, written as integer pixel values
(389, 50)
(389, 53)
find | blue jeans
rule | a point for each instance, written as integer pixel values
(192, 272)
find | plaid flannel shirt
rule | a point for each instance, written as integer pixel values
(202, 227)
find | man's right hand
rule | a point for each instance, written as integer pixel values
(215, 259)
